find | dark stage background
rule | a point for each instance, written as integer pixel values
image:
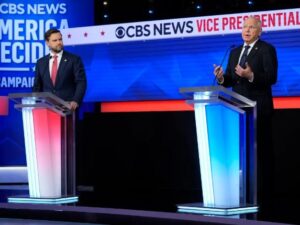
(149, 161)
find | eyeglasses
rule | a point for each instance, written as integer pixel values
(250, 27)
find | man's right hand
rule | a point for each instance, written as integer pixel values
(218, 72)
(73, 105)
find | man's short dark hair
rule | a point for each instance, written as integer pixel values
(49, 32)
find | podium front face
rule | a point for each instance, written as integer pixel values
(225, 124)
(49, 156)
(42, 131)
(219, 153)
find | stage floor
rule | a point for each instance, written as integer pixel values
(83, 213)
(9, 221)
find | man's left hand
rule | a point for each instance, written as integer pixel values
(246, 73)
(73, 105)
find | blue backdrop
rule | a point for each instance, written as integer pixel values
(156, 69)
(124, 71)
(22, 26)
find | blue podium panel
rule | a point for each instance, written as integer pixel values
(225, 140)
(224, 143)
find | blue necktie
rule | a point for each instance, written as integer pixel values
(244, 57)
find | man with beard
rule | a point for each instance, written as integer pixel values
(60, 72)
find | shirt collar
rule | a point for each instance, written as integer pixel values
(252, 44)
(58, 54)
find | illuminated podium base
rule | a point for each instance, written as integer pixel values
(199, 208)
(29, 200)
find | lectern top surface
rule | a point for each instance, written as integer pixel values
(40, 100)
(216, 93)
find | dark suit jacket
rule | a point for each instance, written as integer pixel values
(70, 80)
(263, 61)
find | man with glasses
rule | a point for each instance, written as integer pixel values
(251, 71)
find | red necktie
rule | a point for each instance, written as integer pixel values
(54, 69)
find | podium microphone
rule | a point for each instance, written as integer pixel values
(221, 64)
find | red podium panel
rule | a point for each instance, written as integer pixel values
(50, 149)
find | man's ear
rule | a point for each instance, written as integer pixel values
(260, 31)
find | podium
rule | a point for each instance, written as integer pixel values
(226, 136)
(49, 132)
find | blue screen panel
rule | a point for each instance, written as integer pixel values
(156, 69)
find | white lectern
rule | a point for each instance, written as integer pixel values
(49, 134)
(226, 136)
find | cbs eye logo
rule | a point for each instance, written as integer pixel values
(120, 32)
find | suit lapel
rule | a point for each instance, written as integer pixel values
(254, 50)
(46, 68)
(61, 68)
(237, 55)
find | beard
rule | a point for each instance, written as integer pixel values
(57, 49)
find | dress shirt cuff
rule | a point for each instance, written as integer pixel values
(251, 78)
(220, 80)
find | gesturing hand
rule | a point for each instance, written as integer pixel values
(246, 73)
